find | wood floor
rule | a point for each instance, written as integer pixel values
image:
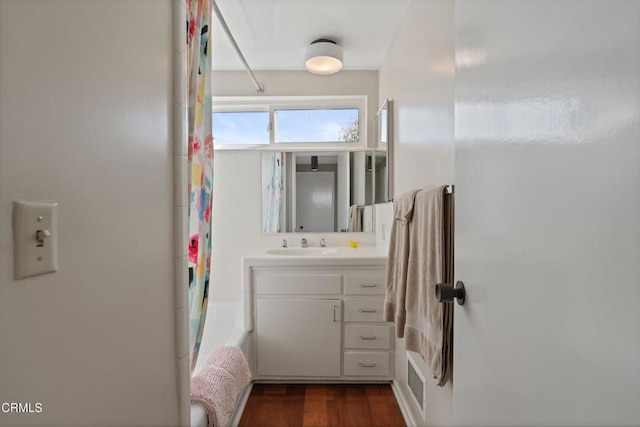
(322, 405)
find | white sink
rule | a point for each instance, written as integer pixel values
(302, 251)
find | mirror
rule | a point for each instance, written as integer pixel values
(384, 128)
(325, 191)
(381, 189)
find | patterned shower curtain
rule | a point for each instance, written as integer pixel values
(200, 167)
(273, 198)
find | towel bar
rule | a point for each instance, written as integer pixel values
(450, 189)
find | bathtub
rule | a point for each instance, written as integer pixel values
(222, 327)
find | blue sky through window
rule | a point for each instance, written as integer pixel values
(234, 128)
(319, 125)
(313, 125)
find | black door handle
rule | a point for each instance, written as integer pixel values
(446, 292)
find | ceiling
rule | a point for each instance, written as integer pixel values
(273, 34)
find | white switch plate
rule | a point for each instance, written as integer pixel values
(31, 257)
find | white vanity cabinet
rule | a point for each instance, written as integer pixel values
(320, 323)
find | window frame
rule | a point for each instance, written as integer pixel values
(273, 103)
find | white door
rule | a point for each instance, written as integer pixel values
(315, 201)
(299, 337)
(547, 213)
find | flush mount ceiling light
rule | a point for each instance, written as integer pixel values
(323, 56)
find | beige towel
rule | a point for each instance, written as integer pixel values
(428, 323)
(355, 218)
(394, 301)
(218, 385)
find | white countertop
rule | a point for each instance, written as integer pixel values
(344, 256)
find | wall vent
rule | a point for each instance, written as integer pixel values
(416, 381)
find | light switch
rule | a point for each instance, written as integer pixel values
(35, 238)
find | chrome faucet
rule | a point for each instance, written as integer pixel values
(323, 243)
(304, 243)
(284, 243)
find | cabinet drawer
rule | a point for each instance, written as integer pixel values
(366, 364)
(367, 337)
(364, 285)
(299, 285)
(363, 309)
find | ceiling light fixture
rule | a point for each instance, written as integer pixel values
(323, 56)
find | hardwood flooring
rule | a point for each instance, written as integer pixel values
(310, 405)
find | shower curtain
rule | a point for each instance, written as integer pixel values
(200, 167)
(273, 199)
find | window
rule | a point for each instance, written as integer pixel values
(326, 125)
(254, 122)
(241, 127)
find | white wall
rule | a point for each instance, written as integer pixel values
(384, 218)
(418, 75)
(301, 83)
(84, 113)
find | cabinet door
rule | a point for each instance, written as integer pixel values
(298, 337)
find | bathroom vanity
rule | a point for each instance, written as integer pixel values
(318, 317)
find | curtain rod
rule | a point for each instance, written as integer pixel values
(235, 46)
